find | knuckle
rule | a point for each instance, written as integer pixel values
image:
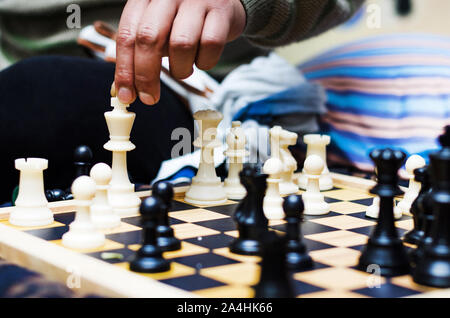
(125, 38)
(124, 77)
(182, 43)
(147, 36)
(211, 42)
(142, 81)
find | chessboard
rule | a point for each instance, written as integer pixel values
(204, 267)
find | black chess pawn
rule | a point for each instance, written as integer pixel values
(55, 195)
(249, 214)
(433, 264)
(384, 247)
(417, 233)
(149, 258)
(83, 159)
(274, 280)
(166, 239)
(297, 257)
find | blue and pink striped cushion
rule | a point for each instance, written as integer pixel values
(383, 91)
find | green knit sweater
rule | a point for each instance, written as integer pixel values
(38, 27)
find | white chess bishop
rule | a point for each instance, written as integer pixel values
(313, 200)
(317, 145)
(206, 187)
(414, 162)
(82, 232)
(102, 214)
(121, 194)
(31, 206)
(236, 153)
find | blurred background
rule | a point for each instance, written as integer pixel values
(425, 16)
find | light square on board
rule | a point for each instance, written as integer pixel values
(234, 274)
(336, 278)
(407, 282)
(343, 222)
(29, 228)
(188, 230)
(176, 270)
(339, 256)
(332, 294)
(109, 245)
(187, 249)
(225, 251)
(227, 291)
(196, 215)
(122, 228)
(339, 238)
(405, 224)
(347, 194)
(345, 207)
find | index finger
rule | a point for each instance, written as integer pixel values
(126, 37)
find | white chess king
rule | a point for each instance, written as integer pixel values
(121, 194)
(206, 187)
(31, 206)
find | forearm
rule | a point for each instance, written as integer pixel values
(278, 22)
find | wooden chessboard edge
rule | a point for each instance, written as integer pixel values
(58, 264)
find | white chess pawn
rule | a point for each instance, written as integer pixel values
(273, 202)
(317, 145)
(102, 214)
(236, 153)
(313, 200)
(31, 206)
(374, 210)
(413, 162)
(82, 232)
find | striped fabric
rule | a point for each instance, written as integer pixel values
(390, 90)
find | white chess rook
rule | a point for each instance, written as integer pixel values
(313, 200)
(414, 162)
(102, 214)
(121, 194)
(236, 153)
(31, 206)
(317, 145)
(206, 187)
(82, 232)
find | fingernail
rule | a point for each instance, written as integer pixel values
(113, 89)
(147, 98)
(125, 95)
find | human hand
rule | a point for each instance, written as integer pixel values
(187, 31)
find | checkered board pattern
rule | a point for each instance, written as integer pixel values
(206, 267)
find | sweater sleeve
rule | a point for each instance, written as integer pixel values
(273, 23)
